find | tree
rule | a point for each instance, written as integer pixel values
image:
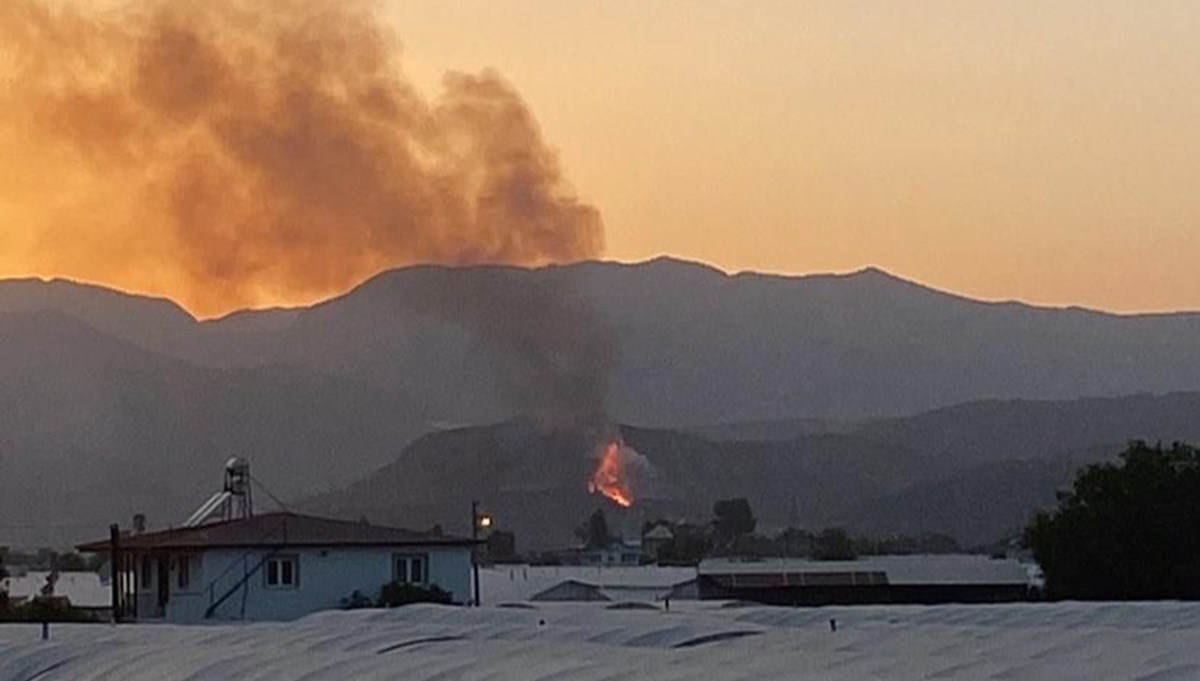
(833, 544)
(734, 519)
(70, 562)
(594, 533)
(794, 542)
(502, 547)
(689, 545)
(1127, 530)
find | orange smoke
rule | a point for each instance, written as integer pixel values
(235, 153)
(612, 477)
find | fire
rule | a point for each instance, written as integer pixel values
(611, 477)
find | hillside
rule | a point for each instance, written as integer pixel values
(978, 483)
(94, 429)
(678, 344)
(845, 385)
(694, 346)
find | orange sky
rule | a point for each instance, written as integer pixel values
(1048, 152)
(1042, 151)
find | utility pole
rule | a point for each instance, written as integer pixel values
(114, 567)
(475, 552)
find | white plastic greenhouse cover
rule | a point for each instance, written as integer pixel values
(1159, 642)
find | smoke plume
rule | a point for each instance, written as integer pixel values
(549, 353)
(235, 153)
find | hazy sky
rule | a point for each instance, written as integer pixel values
(1047, 151)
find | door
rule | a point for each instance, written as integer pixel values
(164, 585)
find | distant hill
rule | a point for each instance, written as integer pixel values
(978, 480)
(692, 345)
(978, 505)
(113, 403)
(695, 346)
(94, 429)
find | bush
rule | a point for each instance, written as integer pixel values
(357, 601)
(45, 610)
(396, 594)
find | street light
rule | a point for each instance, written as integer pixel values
(479, 521)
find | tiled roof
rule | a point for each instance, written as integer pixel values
(276, 530)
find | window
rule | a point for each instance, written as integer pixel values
(283, 572)
(411, 569)
(183, 572)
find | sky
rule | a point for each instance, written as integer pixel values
(1027, 150)
(1016, 149)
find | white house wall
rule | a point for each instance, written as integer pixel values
(326, 578)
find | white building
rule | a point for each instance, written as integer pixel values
(278, 566)
(508, 584)
(86, 590)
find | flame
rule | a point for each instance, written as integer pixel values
(611, 478)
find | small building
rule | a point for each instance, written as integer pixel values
(277, 566)
(642, 586)
(81, 590)
(618, 554)
(655, 540)
(510, 584)
(919, 579)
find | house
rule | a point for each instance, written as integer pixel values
(619, 553)
(276, 566)
(918, 579)
(655, 540)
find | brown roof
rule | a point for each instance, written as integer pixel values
(278, 530)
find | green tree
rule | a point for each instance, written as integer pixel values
(689, 545)
(1127, 530)
(734, 519)
(794, 542)
(833, 544)
(502, 547)
(594, 533)
(70, 562)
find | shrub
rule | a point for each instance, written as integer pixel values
(396, 594)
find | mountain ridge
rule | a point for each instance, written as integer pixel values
(865, 272)
(861, 363)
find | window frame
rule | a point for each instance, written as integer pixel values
(409, 558)
(279, 560)
(183, 572)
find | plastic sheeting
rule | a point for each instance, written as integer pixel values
(588, 641)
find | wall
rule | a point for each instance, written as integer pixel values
(326, 577)
(873, 594)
